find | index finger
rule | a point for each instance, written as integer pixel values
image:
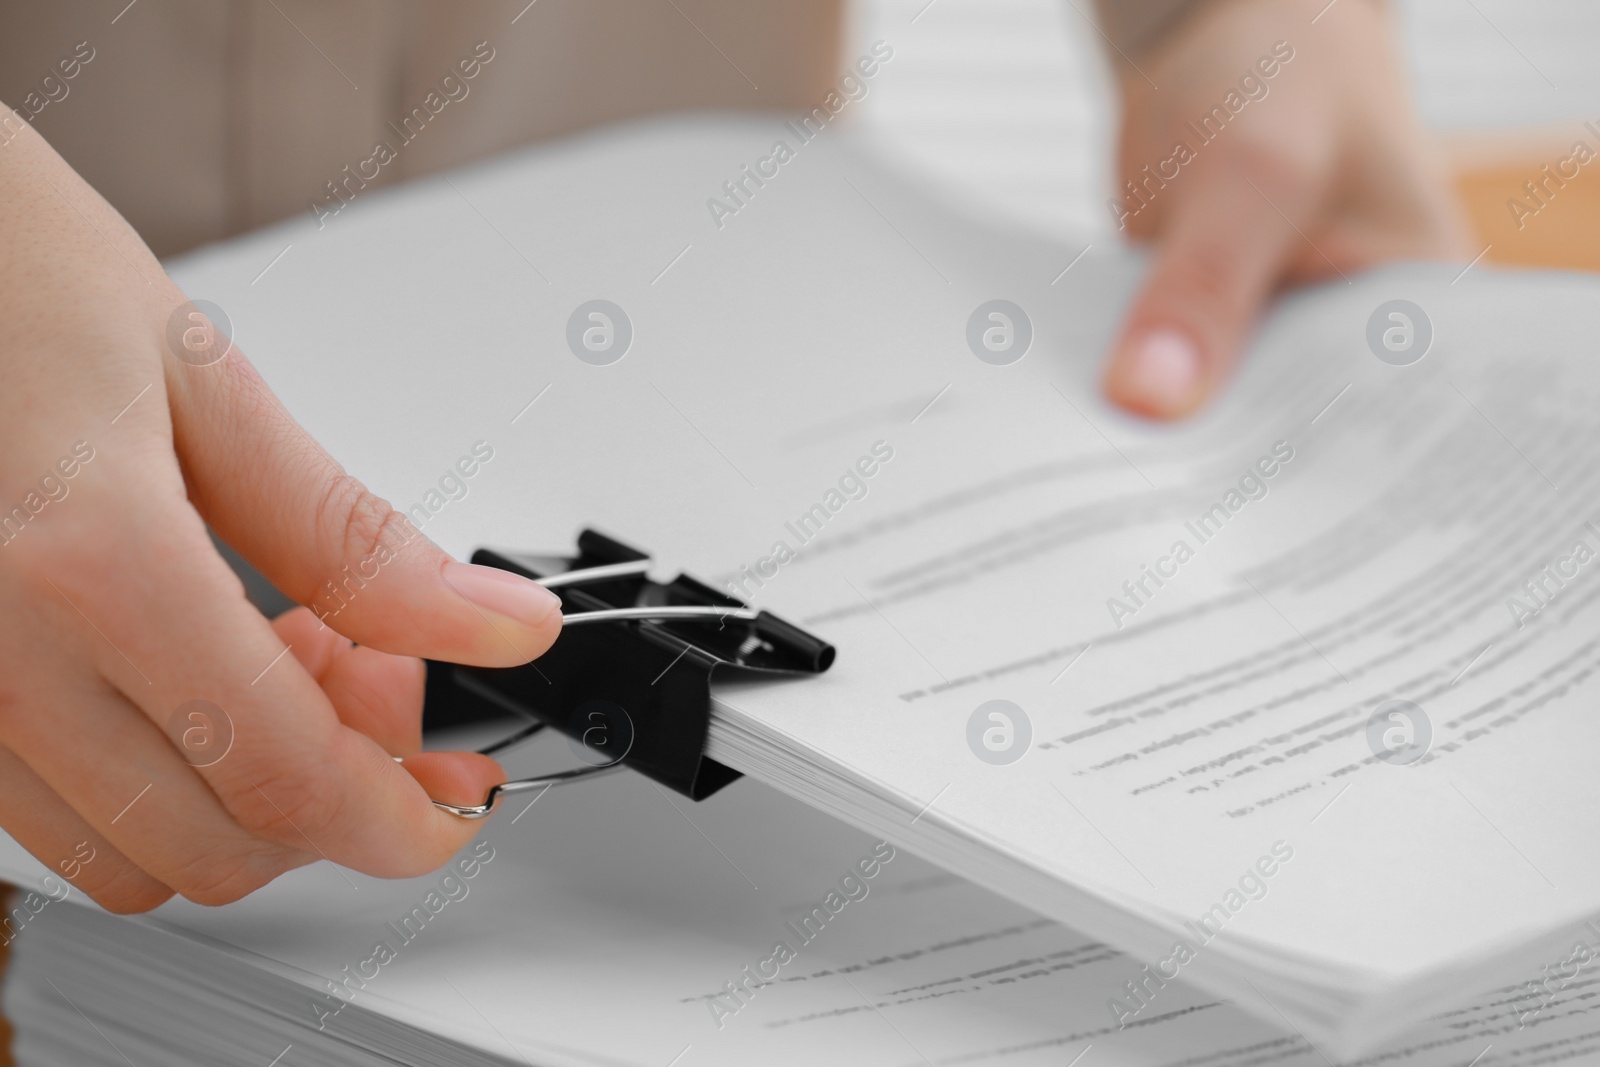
(1230, 230)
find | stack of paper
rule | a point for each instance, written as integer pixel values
(602, 926)
(1197, 633)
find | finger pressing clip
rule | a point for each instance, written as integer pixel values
(635, 693)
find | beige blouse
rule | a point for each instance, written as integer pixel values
(202, 118)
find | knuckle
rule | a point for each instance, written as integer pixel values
(231, 872)
(1284, 166)
(122, 889)
(290, 806)
(361, 532)
(1210, 276)
(360, 519)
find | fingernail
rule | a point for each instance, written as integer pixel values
(1163, 370)
(502, 592)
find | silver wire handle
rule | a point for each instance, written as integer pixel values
(685, 611)
(596, 574)
(522, 785)
(608, 571)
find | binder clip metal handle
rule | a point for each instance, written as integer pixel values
(642, 682)
(523, 785)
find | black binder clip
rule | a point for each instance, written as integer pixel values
(630, 676)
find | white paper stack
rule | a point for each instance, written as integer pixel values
(604, 930)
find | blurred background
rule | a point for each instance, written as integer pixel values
(1008, 102)
(199, 120)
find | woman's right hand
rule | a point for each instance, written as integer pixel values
(126, 425)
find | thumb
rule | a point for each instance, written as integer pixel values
(1223, 248)
(320, 536)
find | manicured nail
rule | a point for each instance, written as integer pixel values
(1163, 371)
(502, 592)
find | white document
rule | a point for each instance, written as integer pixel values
(1211, 727)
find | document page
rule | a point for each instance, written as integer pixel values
(1355, 618)
(1310, 674)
